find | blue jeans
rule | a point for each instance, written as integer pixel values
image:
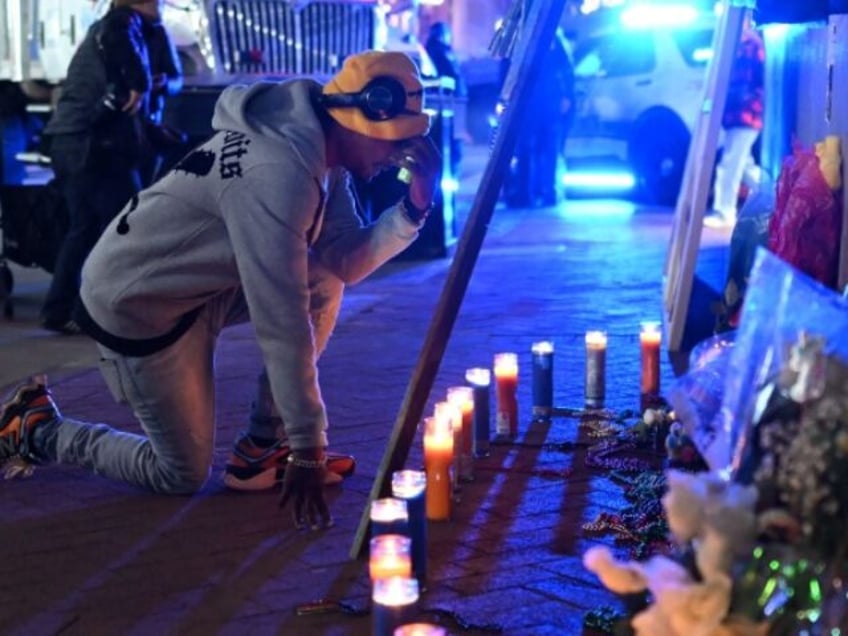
(172, 393)
(94, 195)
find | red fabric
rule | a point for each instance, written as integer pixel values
(744, 105)
(805, 229)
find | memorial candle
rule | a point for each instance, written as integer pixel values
(543, 379)
(596, 363)
(463, 398)
(650, 338)
(394, 602)
(480, 379)
(506, 394)
(450, 412)
(390, 555)
(409, 486)
(438, 455)
(421, 629)
(389, 515)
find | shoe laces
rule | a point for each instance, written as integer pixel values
(16, 467)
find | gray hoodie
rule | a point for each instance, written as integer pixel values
(243, 210)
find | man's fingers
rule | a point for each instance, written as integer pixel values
(324, 513)
(284, 497)
(299, 510)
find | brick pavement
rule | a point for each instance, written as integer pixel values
(86, 556)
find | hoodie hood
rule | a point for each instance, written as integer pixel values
(281, 112)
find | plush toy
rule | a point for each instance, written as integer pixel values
(717, 518)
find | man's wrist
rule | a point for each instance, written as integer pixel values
(315, 457)
(412, 212)
(310, 452)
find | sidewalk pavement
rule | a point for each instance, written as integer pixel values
(83, 555)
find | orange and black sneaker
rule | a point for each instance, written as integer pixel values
(25, 409)
(254, 467)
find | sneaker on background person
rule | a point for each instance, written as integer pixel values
(717, 220)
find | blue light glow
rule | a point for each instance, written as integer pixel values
(646, 16)
(702, 55)
(449, 184)
(598, 180)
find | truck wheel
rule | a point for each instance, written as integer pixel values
(657, 152)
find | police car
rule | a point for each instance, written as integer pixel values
(639, 88)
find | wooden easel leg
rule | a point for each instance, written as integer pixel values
(538, 31)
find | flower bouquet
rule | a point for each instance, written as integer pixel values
(762, 535)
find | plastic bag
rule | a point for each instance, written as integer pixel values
(696, 397)
(806, 227)
(717, 399)
(781, 304)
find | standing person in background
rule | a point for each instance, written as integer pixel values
(167, 79)
(534, 178)
(742, 122)
(95, 142)
(440, 49)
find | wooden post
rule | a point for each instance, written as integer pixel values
(691, 203)
(536, 35)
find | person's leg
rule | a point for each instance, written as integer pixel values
(737, 149)
(93, 196)
(547, 155)
(171, 393)
(78, 188)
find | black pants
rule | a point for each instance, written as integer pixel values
(95, 191)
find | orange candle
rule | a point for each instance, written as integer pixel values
(390, 555)
(463, 398)
(650, 338)
(438, 455)
(596, 366)
(450, 413)
(506, 394)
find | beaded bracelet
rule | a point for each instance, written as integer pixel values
(314, 464)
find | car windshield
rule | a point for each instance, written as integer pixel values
(696, 45)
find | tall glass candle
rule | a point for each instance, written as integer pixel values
(596, 368)
(479, 379)
(438, 455)
(650, 338)
(543, 379)
(421, 629)
(506, 394)
(410, 486)
(463, 398)
(390, 555)
(450, 412)
(394, 602)
(389, 515)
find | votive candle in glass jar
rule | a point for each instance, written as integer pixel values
(543, 379)
(596, 368)
(506, 394)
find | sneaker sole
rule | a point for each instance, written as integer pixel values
(267, 479)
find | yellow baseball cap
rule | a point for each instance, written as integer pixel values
(361, 69)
